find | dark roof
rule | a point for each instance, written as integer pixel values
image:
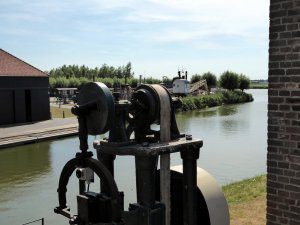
(14, 67)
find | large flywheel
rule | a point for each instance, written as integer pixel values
(98, 99)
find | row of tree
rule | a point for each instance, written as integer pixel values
(75, 76)
(74, 82)
(104, 71)
(228, 80)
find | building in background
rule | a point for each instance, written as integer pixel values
(24, 91)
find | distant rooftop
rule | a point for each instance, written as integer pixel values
(14, 67)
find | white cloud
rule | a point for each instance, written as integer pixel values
(197, 24)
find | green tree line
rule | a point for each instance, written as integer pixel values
(74, 76)
(104, 71)
(228, 80)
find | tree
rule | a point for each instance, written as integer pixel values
(127, 72)
(195, 78)
(210, 78)
(244, 82)
(229, 80)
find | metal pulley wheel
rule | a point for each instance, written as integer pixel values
(146, 109)
(146, 102)
(212, 205)
(98, 98)
(147, 99)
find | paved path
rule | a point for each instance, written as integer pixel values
(28, 133)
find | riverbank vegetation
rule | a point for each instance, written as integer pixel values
(57, 112)
(228, 80)
(73, 76)
(263, 85)
(247, 201)
(216, 99)
(188, 103)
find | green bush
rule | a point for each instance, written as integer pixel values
(195, 78)
(210, 78)
(151, 80)
(188, 104)
(74, 82)
(216, 99)
(244, 82)
(229, 80)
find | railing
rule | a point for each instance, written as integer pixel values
(41, 219)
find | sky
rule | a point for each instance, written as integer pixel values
(157, 36)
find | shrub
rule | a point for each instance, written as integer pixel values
(188, 104)
(210, 78)
(217, 99)
(229, 80)
(195, 78)
(244, 82)
(74, 82)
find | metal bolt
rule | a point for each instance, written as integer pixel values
(188, 137)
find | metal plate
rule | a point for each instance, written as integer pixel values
(98, 121)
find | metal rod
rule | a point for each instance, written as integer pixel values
(81, 187)
(145, 180)
(83, 134)
(190, 157)
(108, 161)
(42, 219)
(165, 185)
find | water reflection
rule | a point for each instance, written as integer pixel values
(227, 110)
(234, 137)
(224, 110)
(22, 165)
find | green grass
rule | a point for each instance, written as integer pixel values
(245, 190)
(259, 86)
(58, 112)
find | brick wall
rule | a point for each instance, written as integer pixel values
(283, 187)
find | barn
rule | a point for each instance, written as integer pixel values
(24, 91)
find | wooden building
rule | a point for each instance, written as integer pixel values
(24, 91)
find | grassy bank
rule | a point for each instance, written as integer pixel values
(216, 99)
(57, 112)
(247, 201)
(259, 86)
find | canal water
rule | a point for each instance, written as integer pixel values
(235, 147)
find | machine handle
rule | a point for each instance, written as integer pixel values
(84, 109)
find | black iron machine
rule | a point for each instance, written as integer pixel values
(178, 195)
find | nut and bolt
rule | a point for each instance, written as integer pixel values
(188, 137)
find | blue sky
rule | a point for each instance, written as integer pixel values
(157, 36)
